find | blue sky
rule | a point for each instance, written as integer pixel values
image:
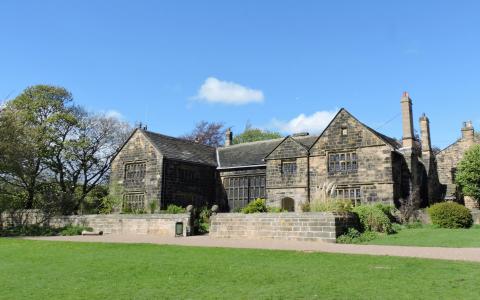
(173, 63)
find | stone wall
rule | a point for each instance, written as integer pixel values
(154, 224)
(281, 226)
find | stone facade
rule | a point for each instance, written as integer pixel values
(365, 165)
(160, 178)
(282, 226)
(138, 150)
(448, 159)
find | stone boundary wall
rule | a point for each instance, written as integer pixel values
(155, 224)
(307, 226)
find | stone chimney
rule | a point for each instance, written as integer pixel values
(407, 121)
(228, 137)
(468, 133)
(425, 134)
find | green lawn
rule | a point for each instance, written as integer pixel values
(429, 236)
(61, 270)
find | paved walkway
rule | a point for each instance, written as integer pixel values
(460, 254)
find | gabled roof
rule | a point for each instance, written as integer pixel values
(246, 154)
(254, 153)
(182, 150)
(304, 141)
(387, 140)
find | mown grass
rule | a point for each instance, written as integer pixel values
(62, 270)
(429, 236)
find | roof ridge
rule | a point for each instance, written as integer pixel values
(250, 143)
(297, 138)
(178, 139)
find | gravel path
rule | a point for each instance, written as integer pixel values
(460, 254)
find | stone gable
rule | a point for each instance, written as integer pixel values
(345, 132)
(138, 149)
(288, 148)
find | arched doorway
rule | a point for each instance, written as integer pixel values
(288, 204)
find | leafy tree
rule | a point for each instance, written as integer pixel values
(251, 134)
(26, 124)
(53, 153)
(211, 134)
(468, 173)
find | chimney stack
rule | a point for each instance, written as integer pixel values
(468, 133)
(228, 137)
(425, 133)
(407, 121)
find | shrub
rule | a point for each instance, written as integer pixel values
(450, 215)
(305, 206)
(28, 230)
(74, 230)
(202, 220)
(153, 205)
(388, 210)
(256, 206)
(414, 225)
(332, 205)
(42, 230)
(372, 218)
(175, 209)
(276, 210)
(354, 236)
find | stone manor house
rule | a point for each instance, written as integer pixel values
(365, 165)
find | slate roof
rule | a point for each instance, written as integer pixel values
(235, 156)
(183, 150)
(252, 154)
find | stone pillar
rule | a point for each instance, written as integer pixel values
(407, 121)
(471, 203)
(228, 137)
(468, 133)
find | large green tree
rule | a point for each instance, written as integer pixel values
(26, 126)
(468, 173)
(251, 134)
(53, 152)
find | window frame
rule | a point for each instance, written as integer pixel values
(240, 190)
(352, 193)
(289, 167)
(340, 163)
(134, 174)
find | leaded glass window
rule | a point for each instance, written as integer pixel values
(133, 202)
(241, 190)
(342, 163)
(350, 193)
(135, 174)
(289, 167)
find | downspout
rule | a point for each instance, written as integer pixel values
(162, 196)
(308, 176)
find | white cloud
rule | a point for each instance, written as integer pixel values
(113, 114)
(214, 90)
(314, 123)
